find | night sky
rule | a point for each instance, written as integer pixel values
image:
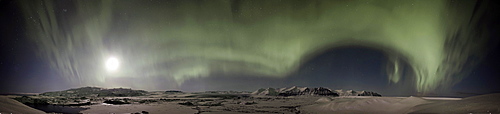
(396, 48)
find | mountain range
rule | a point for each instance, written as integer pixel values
(320, 91)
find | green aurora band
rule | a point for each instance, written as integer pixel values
(181, 40)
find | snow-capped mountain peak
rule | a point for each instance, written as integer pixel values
(320, 91)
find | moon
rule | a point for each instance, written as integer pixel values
(112, 64)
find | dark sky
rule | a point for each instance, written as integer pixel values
(165, 45)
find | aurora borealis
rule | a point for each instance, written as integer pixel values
(438, 42)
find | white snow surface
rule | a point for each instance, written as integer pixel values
(8, 106)
(365, 105)
(324, 99)
(489, 103)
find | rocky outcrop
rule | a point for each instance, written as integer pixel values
(173, 92)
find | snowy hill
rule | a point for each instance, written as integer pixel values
(320, 91)
(96, 92)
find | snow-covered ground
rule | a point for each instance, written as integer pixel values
(489, 103)
(365, 105)
(8, 105)
(164, 108)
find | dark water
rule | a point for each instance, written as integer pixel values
(58, 109)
